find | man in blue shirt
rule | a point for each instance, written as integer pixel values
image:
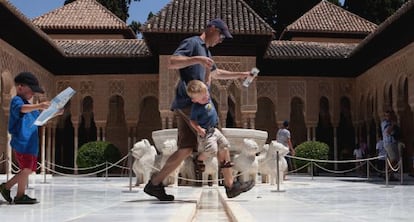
(194, 61)
(388, 126)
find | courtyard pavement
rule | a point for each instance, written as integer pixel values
(300, 198)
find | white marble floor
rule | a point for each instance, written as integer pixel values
(321, 199)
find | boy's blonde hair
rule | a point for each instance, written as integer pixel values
(196, 87)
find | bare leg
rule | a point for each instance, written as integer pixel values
(202, 156)
(222, 156)
(172, 163)
(20, 179)
(22, 182)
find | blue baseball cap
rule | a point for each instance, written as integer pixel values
(218, 23)
(30, 80)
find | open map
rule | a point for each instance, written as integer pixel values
(56, 104)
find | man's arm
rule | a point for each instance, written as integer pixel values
(292, 151)
(179, 62)
(224, 74)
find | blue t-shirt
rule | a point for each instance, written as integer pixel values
(24, 134)
(193, 46)
(204, 114)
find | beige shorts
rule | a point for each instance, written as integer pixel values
(212, 142)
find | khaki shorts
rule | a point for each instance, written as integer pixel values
(212, 142)
(187, 137)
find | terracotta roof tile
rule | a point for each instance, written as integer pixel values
(326, 17)
(308, 50)
(104, 48)
(80, 14)
(192, 16)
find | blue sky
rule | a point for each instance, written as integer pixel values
(138, 11)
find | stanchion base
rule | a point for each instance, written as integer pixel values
(278, 191)
(387, 186)
(130, 191)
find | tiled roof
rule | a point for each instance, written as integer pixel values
(404, 10)
(104, 48)
(26, 21)
(80, 14)
(308, 50)
(326, 17)
(192, 16)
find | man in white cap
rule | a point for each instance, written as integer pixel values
(194, 61)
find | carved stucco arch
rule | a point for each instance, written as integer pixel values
(402, 97)
(387, 96)
(267, 89)
(7, 88)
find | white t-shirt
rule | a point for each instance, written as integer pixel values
(358, 153)
(283, 136)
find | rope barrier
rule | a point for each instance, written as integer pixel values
(71, 168)
(309, 162)
(336, 171)
(392, 168)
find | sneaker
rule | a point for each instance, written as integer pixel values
(24, 200)
(157, 191)
(239, 188)
(5, 193)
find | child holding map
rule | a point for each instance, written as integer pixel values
(24, 135)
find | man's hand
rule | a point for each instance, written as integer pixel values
(205, 61)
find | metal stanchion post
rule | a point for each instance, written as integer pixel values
(106, 170)
(277, 174)
(7, 168)
(401, 170)
(386, 173)
(44, 176)
(130, 173)
(367, 162)
(311, 169)
(401, 163)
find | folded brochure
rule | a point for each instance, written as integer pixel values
(56, 104)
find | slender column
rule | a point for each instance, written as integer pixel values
(135, 135)
(308, 133)
(100, 133)
(335, 147)
(103, 134)
(75, 147)
(43, 150)
(49, 147)
(313, 133)
(53, 146)
(252, 120)
(367, 136)
(9, 156)
(129, 137)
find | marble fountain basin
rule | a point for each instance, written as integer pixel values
(234, 135)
